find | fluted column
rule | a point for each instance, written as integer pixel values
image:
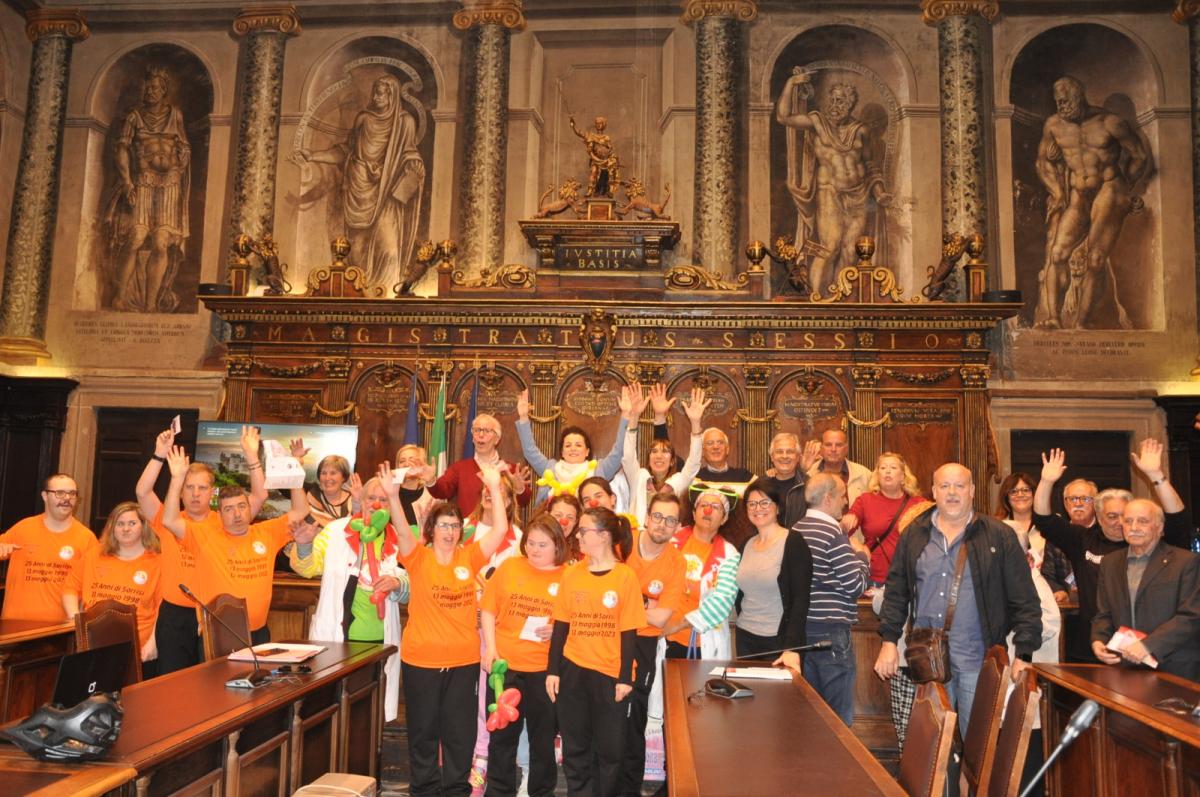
(962, 31)
(35, 196)
(719, 107)
(1187, 12)
(264, 31)
(488, 24)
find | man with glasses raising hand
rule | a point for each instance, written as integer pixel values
(41, 550)
(461, 483)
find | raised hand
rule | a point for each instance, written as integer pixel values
(523, 405)
(355, 485)
(811, 455)
(297, 448)
(303, 532)
(632, 402)
(1149, 460)
(163, 443)
(390, 485)
(1054, 466)
(660, 404)
(177, 461)
(523, 479)
(490, 476)
(696, 406)
(250, 440)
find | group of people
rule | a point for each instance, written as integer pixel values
(624, 561)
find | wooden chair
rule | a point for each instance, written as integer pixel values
(1013, 741)
(979, 746)
(217, 639)
(928, 742)
(108, 622)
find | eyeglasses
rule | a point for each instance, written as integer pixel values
(445, 525)
(60, 494)
(483, 430)
(669, 522)
(1020, 491)
(584, 529)
(762, 503)
(1080, 500)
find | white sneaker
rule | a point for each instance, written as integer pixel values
(523, 789)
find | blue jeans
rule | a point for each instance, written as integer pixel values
(831, 672)
(961, 689)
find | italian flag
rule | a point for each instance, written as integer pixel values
(437, 441)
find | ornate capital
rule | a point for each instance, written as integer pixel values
(506, 13)
(1186, 10)
(756, 375)
(934, 11)
(267, 19)
(41, 22)
(975, 377)
(741, 10)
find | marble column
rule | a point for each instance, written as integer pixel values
(264, 31)
(720, 106)
(29, 258)
(963, 32)
(489, 24)
(1187, 12)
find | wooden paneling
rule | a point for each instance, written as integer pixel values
(872, 698)
(29, 655)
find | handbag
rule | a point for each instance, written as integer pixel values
(891, 527)
(927, 650)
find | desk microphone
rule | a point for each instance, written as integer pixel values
(1080, 721)
(732, 690)
(251, 680)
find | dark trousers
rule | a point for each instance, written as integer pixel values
(592, 723)
(633, 765)
(440, 706)
(537, 713)
(260, 636)
(177, 637)
(747, 644)
(676, 650)
(831, 672)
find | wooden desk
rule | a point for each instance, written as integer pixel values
(784, 740)
(29, 654)
(1133, 747)
(20, 774)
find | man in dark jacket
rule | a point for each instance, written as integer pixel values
(996, 595)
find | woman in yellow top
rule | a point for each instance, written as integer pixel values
(439, 658)
(515, 619)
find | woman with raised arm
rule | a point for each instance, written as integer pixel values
(441, 652)
(1014, 506)
(597, 614)
(574, 445)
(661, 474)
(523, 591)
(892, 500)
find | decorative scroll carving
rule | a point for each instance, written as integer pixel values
(1186, 10)
(506, 13)
(975, 376)
(510, 275)
(692, 278)
(239, 365)
(741, 10)
(42, 22)
(742, 415)
(645, 373)
(339, 279)
(337, 367)
(288, 371)
(934, 11)
(597, 334)
(886, 419)
(267, 19)
(928, 378)
(867, 376)
(864, 282)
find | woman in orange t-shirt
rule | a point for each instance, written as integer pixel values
(439, 657)
(597, 613)
(124, 567)
(522, 590)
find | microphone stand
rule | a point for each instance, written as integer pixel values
(251, 680)
(1080, 721)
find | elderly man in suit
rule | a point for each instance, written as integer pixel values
(1153, 588)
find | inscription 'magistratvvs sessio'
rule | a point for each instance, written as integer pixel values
(598, 257)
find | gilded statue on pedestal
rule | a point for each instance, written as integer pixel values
(605, 168)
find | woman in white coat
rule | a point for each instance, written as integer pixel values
(660, 475)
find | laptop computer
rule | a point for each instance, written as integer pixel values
(83, 674)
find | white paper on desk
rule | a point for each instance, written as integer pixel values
(529, 630)
(1125, 637)
(761, 673)
(282, 472)
(399, 475)
(290, 653)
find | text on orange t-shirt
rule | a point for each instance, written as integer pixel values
(442, 629)
(135, 582)
(38, 569)
(518, 590)
(599, 607)
(242, 564)
(662, 580)
(179, 563)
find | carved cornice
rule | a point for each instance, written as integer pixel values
(42, 22)
(267, 19)
(741, 10)
(506, 13)
(1185, 11)
(934, 11)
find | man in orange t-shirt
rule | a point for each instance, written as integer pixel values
(662, 574)
(240, 558)
(41, 550)
(176, 627)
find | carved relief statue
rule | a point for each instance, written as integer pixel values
(605, 168)
(381, 186)
(640, 205)
(146, 211)
(833, 174)
(1090, 161)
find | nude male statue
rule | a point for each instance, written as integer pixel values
(1089, 160)
(834, 176)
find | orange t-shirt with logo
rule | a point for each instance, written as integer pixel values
(695, 552)
(38, 570)
(442, 629)
(179, 564)
(241, 564)
(132, 581)
(599, 608)
(662, 579)
(518, 590)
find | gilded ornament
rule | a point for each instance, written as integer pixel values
(337, 367)
(741, 10)
(934, 11)
(288, 371)
(975, 376)
(756, 375)
(510, 275)
(349, 409)
(928, 378)
(886, 420)
(267, 19)
(506, 13)
(698, 278)
(866, 340)
(238, 365)
(867, 376)
(42, 22)
(1186, 10)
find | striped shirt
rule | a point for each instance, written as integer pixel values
(839, 574)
